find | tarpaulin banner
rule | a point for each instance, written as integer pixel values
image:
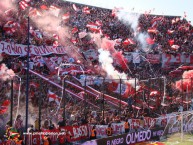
(153, 58)
(19, 49)
(168, 59)
(129, 138)
(77, 133)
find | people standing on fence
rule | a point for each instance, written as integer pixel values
(126, 126)
(36, 124)
(62, 138)
(109, 130)
(93, 133)
(19, 124)
(68, 138)
(30, 129)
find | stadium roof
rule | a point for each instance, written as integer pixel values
(157, 7)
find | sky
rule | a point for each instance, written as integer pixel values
(158, 7)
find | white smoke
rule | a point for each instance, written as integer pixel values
(107, 64)
(6, 73)
(132, 20)
(141, 37)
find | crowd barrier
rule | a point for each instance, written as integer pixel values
(148, 129)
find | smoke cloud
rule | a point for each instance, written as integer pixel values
(132, 20)
(5, 73)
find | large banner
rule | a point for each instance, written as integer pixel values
(19, 49)
(168, 59)
(118, 128)
(129, 138)
(77, 133)
(153, 58)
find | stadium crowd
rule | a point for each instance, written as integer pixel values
(167, 34)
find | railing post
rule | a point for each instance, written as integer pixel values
(120, 90)
(103, 100)
(85, 97)
(27, 79)
(11, 109)
(40, 109)
(64, 98)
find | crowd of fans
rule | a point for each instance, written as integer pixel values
(168, 31)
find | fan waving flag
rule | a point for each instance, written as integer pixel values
(93, 27)
(86, 10)
(10, 27)
(129, 41)
(75, 8)
(53, 97)
(152, 30)
(155, 21)
(24, 4)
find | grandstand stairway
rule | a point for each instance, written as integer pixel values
(89, 90)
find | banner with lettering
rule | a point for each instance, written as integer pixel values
(19, 49)
(168, 59)
(77, 132)
(153, 58)
(118, 128)
(129, 138)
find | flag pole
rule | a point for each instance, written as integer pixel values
(64, 97)
(40, 110)
(11, 110)
(27, 79)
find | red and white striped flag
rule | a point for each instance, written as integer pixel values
(129, 41)
(10, 27)
(75, 8)
(53, 97)
(98, 23)
(175, 47)
(155, 21)
(93, 27)
(86, 10)
(23, 5)
(152, 30)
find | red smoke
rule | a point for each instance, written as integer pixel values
(108, 45)
(119, 58)
(185, 84)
